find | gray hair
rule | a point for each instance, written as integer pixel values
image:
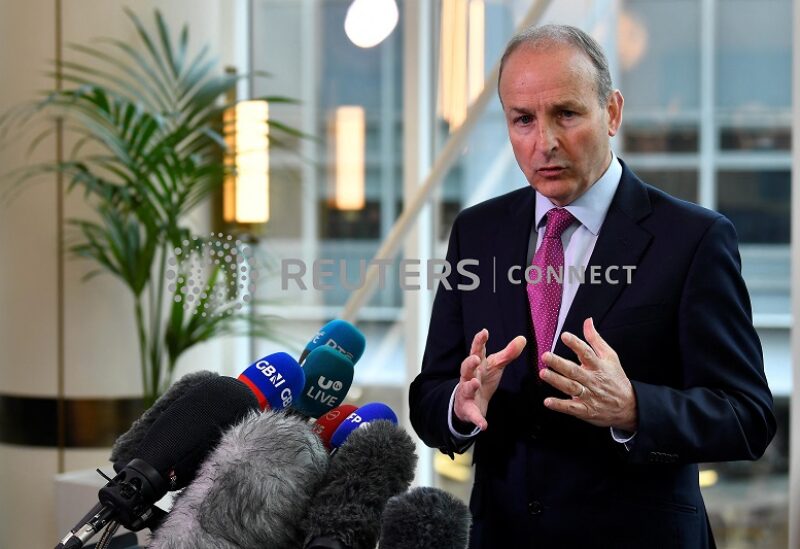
(550, 35)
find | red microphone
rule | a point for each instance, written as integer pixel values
(327, 424)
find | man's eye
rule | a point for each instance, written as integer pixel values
(567, 114)
(524, 119)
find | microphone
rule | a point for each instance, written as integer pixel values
(127, 444)
(168, 456)
(276, 380)
(326, 425)
(329, 375)
(376, 463)
(367, 413)
(340, 335)
(423, 518)
(253, 490)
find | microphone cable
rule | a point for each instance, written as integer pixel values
(108, 535)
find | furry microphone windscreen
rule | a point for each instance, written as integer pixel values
(375, 463)
(252, 491)
(127, 445)
(425, 518)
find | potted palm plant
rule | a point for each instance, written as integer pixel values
(149, 146)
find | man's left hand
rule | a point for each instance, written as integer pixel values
(601, 392)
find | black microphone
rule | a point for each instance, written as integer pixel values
(127, 444)
(169, 454)
(376, 462)
(252, 491)
(424, 518)
(283, 366)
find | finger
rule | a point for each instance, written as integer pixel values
(465, 407)
(599, 344)
(478, 346)
(511, 351)
(582, 350)
(473, 416)
(469, 389)
(573, 408)
(567, 386)
(566, 368)
(468, 367)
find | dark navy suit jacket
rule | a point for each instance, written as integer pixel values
(684, 335)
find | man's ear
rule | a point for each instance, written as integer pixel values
(614, 110)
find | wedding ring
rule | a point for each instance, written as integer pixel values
(583, 390)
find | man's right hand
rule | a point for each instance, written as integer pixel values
(480, 376)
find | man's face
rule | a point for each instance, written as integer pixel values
(558, 130)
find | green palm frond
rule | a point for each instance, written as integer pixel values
(147, 149)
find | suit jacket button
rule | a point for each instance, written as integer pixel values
(535, 508)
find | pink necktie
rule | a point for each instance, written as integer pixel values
(544, 293)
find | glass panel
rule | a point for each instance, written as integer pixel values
(363, 224)
(304, 47)
(679, 183)
(659, 55)
(371, 79)
(754, 71)
(285, 199)
(277, 24)
(758, 204)
(767, 272)
(655, 137)
(755, 139)
(658, 59)
(351, 75)
(754, 55)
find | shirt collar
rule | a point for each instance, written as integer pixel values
(591, 207)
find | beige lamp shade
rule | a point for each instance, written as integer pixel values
(246, 187)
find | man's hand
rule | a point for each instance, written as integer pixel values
(480, 376)
(601, 392)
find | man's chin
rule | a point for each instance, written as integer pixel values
(558, 190)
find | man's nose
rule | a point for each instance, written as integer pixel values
(546, 140)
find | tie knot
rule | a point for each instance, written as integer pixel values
(558, 219)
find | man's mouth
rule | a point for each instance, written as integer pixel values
(551, 170)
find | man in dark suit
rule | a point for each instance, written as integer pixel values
(594, 399)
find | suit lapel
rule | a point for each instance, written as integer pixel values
(621, 242)
(511, 250)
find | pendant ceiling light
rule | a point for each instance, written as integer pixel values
(369, 22)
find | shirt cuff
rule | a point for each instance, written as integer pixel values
(623, 437)
(456, 434)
